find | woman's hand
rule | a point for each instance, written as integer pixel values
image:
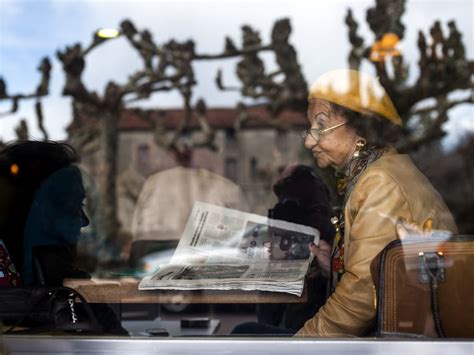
(322, 252)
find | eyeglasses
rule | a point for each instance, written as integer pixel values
(317, 133)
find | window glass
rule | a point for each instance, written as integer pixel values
(238, 169)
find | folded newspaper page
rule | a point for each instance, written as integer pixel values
(225, 249)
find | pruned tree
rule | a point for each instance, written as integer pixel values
(442, 69)
(169, 67)
(42, 89)
(282, 89)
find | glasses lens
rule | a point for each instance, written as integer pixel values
(315, 134)
(309, 132)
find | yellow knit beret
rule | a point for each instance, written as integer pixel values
(357, 91)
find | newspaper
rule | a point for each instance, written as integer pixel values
(225, 249)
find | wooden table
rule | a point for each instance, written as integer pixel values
(126, 290)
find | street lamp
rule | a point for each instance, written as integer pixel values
(107, 33)
(100, 36)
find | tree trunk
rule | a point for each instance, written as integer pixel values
(108, 190)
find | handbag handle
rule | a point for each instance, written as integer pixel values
(432, 268)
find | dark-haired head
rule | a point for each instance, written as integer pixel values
(24, 165)
(30, 162)
(301, 181)
(303, 198)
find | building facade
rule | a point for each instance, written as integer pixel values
(251, 156)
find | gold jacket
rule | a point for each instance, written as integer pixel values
(391, 187)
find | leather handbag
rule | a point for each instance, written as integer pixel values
(424, 287)
(46, 309)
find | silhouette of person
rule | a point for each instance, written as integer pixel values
(303, 198)
(42, 215)
(36, 211)
(55, 221)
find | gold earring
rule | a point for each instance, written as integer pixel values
(360, 145)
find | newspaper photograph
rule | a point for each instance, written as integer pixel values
(227, 249)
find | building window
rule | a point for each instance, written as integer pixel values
(253, 168)
(231, 168)
(143, 159)
(282, 141)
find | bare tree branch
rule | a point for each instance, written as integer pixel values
(449, 105)
(443, 68)
(40, 119)
(42, 89)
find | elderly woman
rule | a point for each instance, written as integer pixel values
(352, 124)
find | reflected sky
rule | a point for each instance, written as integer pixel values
(31, 29)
